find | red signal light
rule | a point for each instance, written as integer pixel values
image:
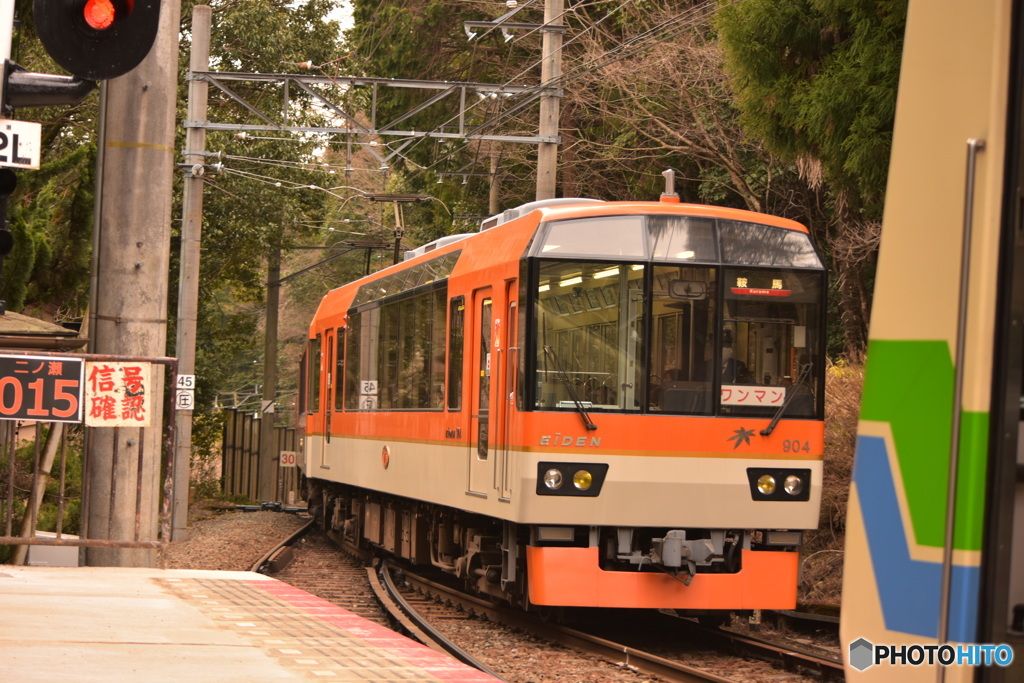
(99, 14)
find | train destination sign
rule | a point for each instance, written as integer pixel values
(751, 291)
(41, 388)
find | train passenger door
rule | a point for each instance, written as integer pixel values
(314, 424)
(328, 398)
(506, 352)
(480, 467)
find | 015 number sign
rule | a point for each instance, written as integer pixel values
(41, 388)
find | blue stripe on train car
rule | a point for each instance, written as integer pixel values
(908, 589)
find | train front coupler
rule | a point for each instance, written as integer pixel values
(674, 553)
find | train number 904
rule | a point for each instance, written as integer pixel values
(796, 446)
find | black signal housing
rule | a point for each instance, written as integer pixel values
(115, 38)
(8, 181)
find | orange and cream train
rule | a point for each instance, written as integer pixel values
(585, 403)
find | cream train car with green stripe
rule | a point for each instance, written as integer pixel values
(934, 564)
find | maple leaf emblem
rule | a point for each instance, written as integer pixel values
(741, 436)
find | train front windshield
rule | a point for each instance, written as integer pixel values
(680, 315)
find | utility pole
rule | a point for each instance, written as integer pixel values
(188, 271)
(129, 279)
(269, 456)
(492, 196)
(399, 232)
(550, 74)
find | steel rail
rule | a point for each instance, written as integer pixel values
(418, 627)
(827, 667)
(263, 565)
(617, 653)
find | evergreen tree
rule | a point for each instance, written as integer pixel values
(816, 82)
(50, 211)
(817, 79)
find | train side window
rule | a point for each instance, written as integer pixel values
(314, 366)
(388, 341)
(353, 357)
(456, 338)
(411, 352)
(339, 372)
(394, 353)
(437, 349)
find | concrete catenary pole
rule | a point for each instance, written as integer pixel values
(269, 455)
(188, 272)
(493, 196)
(130, 265)
(550, 74)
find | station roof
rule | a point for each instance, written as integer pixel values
(23, 332)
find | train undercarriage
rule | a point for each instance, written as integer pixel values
(489, 555)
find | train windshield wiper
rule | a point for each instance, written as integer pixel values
(570, 388)
(804, 374)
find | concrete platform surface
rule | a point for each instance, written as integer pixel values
(121, 624)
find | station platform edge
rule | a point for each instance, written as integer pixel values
(131, 624)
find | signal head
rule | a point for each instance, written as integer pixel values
(97, 39)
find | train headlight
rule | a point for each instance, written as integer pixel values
(582, 480)
(766, 484)
(793, 485)
(779, 484)
(553, 479)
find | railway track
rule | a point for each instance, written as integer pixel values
(311, 561)
(632, 657)
(662, 648)
(413, 622)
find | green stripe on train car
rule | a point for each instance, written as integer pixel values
(909, 384)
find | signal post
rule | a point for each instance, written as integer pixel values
(132, 232)
(135, 44)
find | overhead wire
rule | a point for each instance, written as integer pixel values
(677, 24)
(666, 30)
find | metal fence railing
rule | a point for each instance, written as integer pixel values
(241, 459)
(89, 414)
